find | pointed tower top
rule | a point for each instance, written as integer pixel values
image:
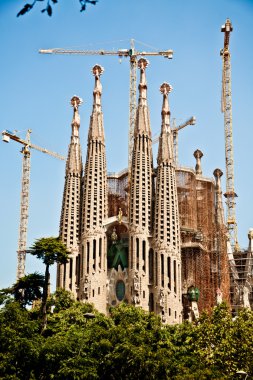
(75, 102)
(198, 155)
(97, 71)
(165, 150)
(142, 64)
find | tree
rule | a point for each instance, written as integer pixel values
(28, 288)
(20, 342)
(50, 250)
(48, 9)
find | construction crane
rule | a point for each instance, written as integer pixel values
(25, 189)
(226, 108)
(175, 130)
(133, 56)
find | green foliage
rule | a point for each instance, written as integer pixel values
(28, 288)
(61, 300)
(20, 342)
(130, 344)
(50, 250)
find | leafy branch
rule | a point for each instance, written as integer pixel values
(49, 10)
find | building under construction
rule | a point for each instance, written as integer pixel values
(152, 236)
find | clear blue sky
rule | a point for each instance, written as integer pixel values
(36, 89)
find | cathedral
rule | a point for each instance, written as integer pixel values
(153, 235)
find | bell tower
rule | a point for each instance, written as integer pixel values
(166, 242)
(94, 207)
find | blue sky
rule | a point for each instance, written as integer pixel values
(36, 89)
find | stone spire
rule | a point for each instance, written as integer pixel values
(141, 193)
(250, 236)
(96, 130)
(166, 242)
(198, 155)
(218, 198)
(69, 224)
(165, 152)
(94, 207)
(142, 65)
(142, 125)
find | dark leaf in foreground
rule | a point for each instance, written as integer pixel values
(24, 10)
(49, 10)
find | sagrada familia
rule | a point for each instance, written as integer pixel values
(151, 236)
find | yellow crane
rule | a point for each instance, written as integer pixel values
(133, 56)
(25, 190)
(175, 129)
(226, 108)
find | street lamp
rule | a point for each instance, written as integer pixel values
(242, 374)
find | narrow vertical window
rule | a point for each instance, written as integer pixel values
(70, 267)
(100, 252)
(64, 275)
(94, 253)
(162, 269)
(169, 272)
(151, 265)
(88, 256)
(137, 253)
(156, 269)
(151, 302)
(175, 276)
(144, 255)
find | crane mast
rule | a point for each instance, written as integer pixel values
(25, 191)
(226, 108)
(24, 206)
(133, 56)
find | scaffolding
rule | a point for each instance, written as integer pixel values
(118, 182)
(241, 288)
(203, 242)
(117, 192)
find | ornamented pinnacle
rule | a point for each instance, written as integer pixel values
(142, 64)
(165, 150)
(198, 155)
(217, 175)
(97, 71)
(250, 236)
(75, 102)
(219, 207)
(165, 89)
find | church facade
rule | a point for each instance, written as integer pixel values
(130, 235)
